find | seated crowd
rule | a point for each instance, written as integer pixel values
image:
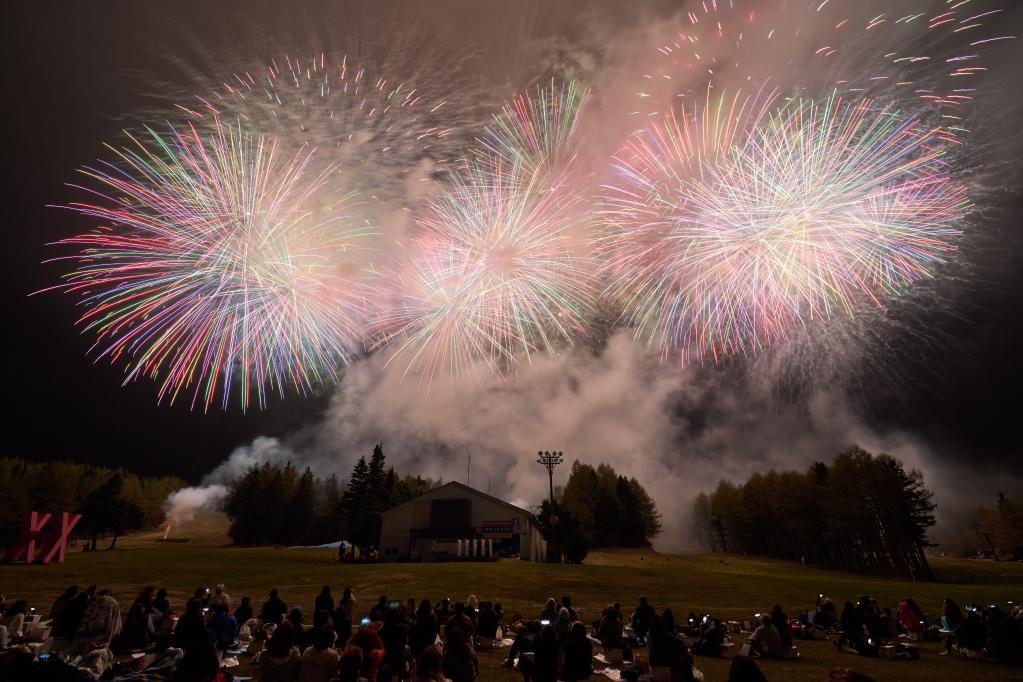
(397, 640)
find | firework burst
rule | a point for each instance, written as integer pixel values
(218, 265)
(492, 276)
(732, 224)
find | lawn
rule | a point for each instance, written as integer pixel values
(726, 586)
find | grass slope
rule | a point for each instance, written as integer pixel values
(731, 589)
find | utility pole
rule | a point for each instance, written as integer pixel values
(550, 460)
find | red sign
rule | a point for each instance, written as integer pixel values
(52, 541)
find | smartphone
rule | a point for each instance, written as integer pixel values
(364, 621)
(545, 622)
(44, 656)
(394, 605)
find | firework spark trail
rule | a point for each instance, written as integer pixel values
(217, 261)
(537, 132)
(375, 129)
(932, 54)
(492, 278)
(722, 240)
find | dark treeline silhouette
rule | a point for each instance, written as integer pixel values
(1000, 528)
(111, 501)
(862, 513)
(280, 505)
(612, 510)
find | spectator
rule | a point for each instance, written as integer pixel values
(487, 621)
(578, 655)
(781, 622)
(138, 630)
(297, 618)
(472, 608)
(745, 669)
(443, 612)
(711, 639)
(566, 603)
(200, 663)
(161, 603)
(350, 664)
(100, 624)
(609, 630)
(379, 610)
(324, 601)
(71, 617)
(766, 641)
(424, 631)
(910, 617)
(459, 620)
(190, 631)
(62, 601)
(224, 626)
(348, 604)
(394, 635)
(342, 625)
(243, 613)
(550, 612)
(281, 662)
(372, 647)
(273, 609)
(320, 661)
(544, 666)
(642, 618)
(219, 597)
(668, 621)
(460, 662)
(430, 665)
(14, 619)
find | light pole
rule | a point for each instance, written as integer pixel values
(550, 460)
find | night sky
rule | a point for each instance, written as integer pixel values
(73, 72)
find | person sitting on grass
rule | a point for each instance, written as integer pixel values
(138, 630)
(297, 618)
(347, 604)
(578, 655)
(243, 614)
(224, 627)
(161, 603)
(219, 597)
(62, 601)
(320, 661)
(274, 609)
(280, 662)
(543, 667)
(350, 664)
(745, 669)
(367, 639)
(430, 666)
(424, 630)
(711, 640)
(550, 612)
(781, 622)
(459, 620)
(14, 619)
(100, 625)
(199, 663)
(765, 641)
(460, 662)
(609, 630)
(487, 621)
(191, 628)
(642, 618)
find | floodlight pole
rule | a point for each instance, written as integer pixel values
(550, 460)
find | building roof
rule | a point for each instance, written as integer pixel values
(471, 491)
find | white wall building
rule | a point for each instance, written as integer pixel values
(458, 522)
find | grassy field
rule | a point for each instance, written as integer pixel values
(733, 588)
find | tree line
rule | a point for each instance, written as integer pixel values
(111, 501)
(280, 505)
(598, 508)
(862, 513)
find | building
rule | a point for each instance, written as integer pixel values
(443, 523)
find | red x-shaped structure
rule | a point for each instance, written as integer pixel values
(52, 542)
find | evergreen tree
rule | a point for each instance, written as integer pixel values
(300, 513)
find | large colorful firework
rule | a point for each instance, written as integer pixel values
(492, 276)
(218, 265)
(733, 223)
